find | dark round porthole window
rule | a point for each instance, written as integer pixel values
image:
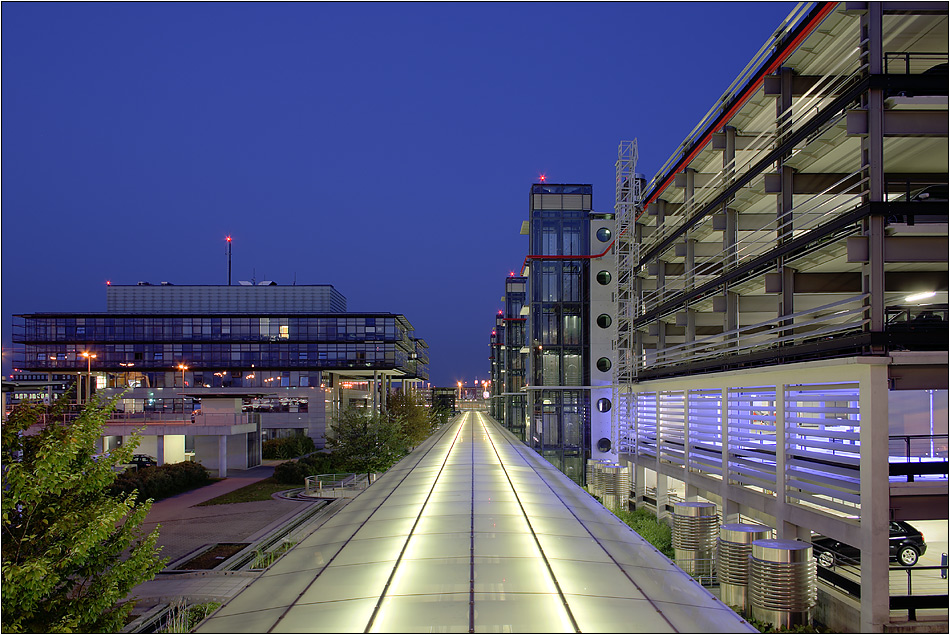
(603, 277)
(603, 364)
(603, 445)
(603, 234)
(603, 405)
(603, 320)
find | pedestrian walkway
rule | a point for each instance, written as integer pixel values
(474, 532)
(186, 528)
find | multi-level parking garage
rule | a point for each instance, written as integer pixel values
(474, 532)
(783, 289)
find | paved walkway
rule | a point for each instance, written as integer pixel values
(185, 528)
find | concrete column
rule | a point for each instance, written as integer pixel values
(662, 495)
(872, 155)
(375, 391)
(724, 431)
(160, 449)
(223, 456)
(731, 317)
(785, 529)
(690, 188)
(875, 499)
(787, 301)
(691, 491)
(639, 483)
(690, 263)
(729, 154)
(730, 238)
(79, 388)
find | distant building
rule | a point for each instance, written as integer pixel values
(275, 361)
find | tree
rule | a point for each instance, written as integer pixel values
(367, 441)
(71, 552)
(417, 420)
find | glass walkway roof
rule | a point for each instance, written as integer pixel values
(474, 532)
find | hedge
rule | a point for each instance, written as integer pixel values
(161, 481)
(288, 447)
(295, 472)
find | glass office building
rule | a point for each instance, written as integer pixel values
(281, 349)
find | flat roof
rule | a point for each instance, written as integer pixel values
(474, 531)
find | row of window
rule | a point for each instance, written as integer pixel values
(210, 328)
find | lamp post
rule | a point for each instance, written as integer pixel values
(182, 368)
(89, 357)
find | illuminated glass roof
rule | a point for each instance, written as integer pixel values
(474, 532)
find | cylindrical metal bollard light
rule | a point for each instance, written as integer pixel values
(616, 486)
(782, 582)
(695, 526)
(732, 561)
(593, 465)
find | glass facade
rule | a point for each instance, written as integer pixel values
(558, 332)
(221, 349)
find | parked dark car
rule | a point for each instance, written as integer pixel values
(143, 460)
(906, 546)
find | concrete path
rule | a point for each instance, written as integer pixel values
(185, 528)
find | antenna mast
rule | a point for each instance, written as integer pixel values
(229, 260)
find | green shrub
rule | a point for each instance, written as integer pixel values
(288, 447)
(655, 532)
(161, 481)
(292, 473)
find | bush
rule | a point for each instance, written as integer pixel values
(161, 481)
(291, 473)
(288, 447)
(655, 532)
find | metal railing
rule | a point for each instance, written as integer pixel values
(826, 322)
(912, 455)
(346, 485)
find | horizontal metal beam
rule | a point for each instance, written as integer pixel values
(901, 123)
(850, 282)
(902, 249)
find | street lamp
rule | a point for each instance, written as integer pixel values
(89, 357)
(182, 368)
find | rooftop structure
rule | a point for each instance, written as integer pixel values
(474, 532)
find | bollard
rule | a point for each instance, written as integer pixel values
(782, 587)
(732, 561)
(695, 527)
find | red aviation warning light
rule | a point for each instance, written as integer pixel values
(228, 239)
(541, 178)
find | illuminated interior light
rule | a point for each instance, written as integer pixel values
(920, 296)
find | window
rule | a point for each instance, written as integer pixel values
(603, 277)
(603, 234)
(603, 405)
(603, 320)
(603, 364)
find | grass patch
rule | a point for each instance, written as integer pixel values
(259, 491)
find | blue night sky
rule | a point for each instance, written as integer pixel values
(386, 149)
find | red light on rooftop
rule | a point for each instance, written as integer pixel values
(541, 178)
(228, 239)
(108, 282)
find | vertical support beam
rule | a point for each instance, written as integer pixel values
(691, 490)
(662, 495)
(79, 388)
(730, 238)
(375, 391)
(223, 456)
(690, 188)
(786, 529)
(729, 154)
(732, 315)
(875, 499)
(872, 150)
(690, 263)
(724, 448)
(160, 449)
(639, 483)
